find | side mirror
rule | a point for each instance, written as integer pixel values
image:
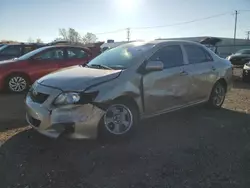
(154, 66)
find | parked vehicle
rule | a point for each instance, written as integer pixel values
(246, 72)
(17, 74)
(240, 58)
(125, 84)
(10, 51)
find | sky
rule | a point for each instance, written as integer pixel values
(24, 19)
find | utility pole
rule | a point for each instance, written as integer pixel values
(235, 26)
(248, 35)
(128, 34)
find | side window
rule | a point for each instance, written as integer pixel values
(76, 53)
(171, 56)
(54, 54)
(27, 49)
(14, 50)
(197, 54)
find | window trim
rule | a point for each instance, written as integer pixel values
(169, 45)
(208, 56)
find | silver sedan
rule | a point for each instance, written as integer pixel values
(117, 89)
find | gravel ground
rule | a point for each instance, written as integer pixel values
(195, 147)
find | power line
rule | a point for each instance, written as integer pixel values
(244, 10)
(151, 27)
(182, 23)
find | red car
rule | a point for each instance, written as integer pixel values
(17, 74)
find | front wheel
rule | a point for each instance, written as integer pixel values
(217, 95)
(119, 120)
(17, 83)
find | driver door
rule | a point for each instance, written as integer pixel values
(167, 89)
(46, 62)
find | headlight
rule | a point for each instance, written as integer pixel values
(67, 98)
(246, 66)
(228, 58)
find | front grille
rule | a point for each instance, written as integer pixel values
(38, 97)
(33, 121)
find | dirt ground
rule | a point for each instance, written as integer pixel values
(196, 147)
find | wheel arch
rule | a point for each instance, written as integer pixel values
(223, 82)
(129, 99)
(16, 73)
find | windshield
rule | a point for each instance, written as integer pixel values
(2, 47)
(120, 57)
(32, 53)
(247, 51)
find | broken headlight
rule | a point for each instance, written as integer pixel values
(67, 98)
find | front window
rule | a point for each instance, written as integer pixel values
(170, 56)
(121, 57)
(243, 52)
(53, 54)
(33, 53)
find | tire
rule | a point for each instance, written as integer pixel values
(217, 95)
(17, 83)
(244, 77)
(107, 128)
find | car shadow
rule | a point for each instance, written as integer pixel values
(184, 137)
(239, 84)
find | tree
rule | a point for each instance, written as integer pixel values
(39, 41)
(70, 35)
(30, 40)
(89, 38)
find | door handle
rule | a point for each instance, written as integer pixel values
(213, 68)
(183, 73)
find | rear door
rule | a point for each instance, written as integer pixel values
(46, 62)
(169, 88)
(75, 56)
(203, 71)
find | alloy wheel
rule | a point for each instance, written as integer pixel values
(118, 119)
(17, 84)
(218, 95)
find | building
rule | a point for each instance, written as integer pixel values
(224, 48)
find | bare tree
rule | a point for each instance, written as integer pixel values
(70, 35)
(89, 38)
(39, 40)
(30, 40)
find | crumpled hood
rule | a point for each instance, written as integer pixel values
(78, 78)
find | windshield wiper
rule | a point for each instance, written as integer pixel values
(100, 66)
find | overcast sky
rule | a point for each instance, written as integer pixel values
(22, 19)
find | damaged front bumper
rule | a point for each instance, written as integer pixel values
(75, 121)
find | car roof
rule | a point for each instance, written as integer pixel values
(165, 41)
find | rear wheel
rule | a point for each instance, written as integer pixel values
(217, 95)
(119, 120)
(17, 83)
